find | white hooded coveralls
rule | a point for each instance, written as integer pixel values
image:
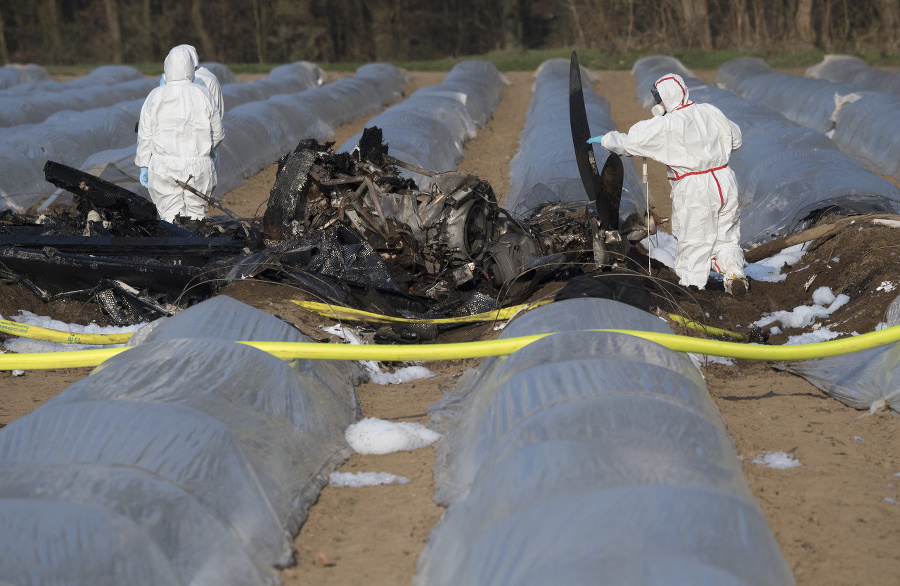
(695, 141)
(178, 130)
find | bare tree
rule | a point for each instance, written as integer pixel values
(696, 22)
(389, 31)
(200, 29)
(259, 25)
(804, 21)
(146, 28)
(826, 23)
(888, 11)
(740, 22)
(115, 30)
(511, 17)
(4, 51)
(53, 36)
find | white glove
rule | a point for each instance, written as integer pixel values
(658, 110)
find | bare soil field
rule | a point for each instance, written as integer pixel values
(830, 515)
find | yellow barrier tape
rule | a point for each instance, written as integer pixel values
(706, 329)
(332, 311)
(48, 335)
(350, 314)
(462, 350)
(52, 360)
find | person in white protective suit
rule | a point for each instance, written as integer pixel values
(695, 141)
(207, 79)
(178, 131)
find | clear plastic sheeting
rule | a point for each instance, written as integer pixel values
(258, 133)
(284, 79)
(868, 379)
(808, 102)
(189, 459)
(221, 71)
(429, 128)
(788, 175)
(867, 127)
(36, 107)
(862, 125)
(544, 168)
(105, 75)
(735, 71)
(591, 454)
(853, 70)
(15, 74)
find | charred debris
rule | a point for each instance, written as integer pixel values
(346, 228)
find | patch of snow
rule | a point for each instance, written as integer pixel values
(378, 436)
(819, 335)
(360, 479)
(376, 375)
(778, 460)
(661, 247)
(886, 286)
(805, 315)
(401, 375)
(769, 269)
(823, 296)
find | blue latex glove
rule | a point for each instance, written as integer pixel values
(145, 177)
(595, 139)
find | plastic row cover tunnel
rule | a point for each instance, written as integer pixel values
(11, 75)
(808, 102)
(189, 459)
(787, 175)
(591, 456)
(863, 124)
(104, 87)
(868, 379)
(259, 133)
(853, 70)
(429, 128)
(284, 79)
(105, 75)
(544, 168)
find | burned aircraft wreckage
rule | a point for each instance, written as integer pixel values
(346, 228)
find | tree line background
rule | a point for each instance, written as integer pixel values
(56, 32)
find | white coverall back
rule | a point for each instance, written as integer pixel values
(695, 141)
(178, 130)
